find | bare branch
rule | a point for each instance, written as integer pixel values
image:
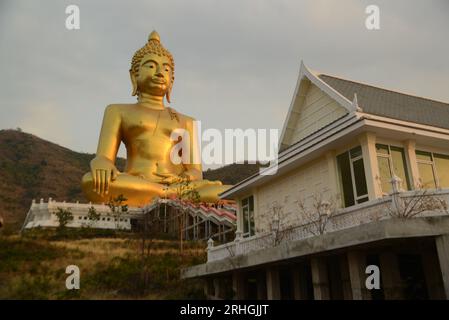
(409, 206)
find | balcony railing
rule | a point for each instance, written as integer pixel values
(388, 207)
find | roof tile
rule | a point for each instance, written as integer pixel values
(391, 104)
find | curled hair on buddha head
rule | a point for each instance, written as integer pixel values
(153, 46)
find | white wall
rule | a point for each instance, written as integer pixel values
(302, 183)
(317, 111)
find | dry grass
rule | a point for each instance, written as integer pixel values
(111, 268)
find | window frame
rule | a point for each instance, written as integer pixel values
(431, 163)
(250, 217)
(354, 186)
(356, 198)
(389, 156)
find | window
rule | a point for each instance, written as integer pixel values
(391, 161)
(433, 169)
(248, 216)
(442, 168)
(352, 177)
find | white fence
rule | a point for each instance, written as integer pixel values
(350, 217)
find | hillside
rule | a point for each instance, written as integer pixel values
(231, 174)
(33, 168)
(33, 267)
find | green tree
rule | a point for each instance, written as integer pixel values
(64, 216)
(118, 207)
(93, 215)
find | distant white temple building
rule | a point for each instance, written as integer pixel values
(197, 221)
(363, 179)
(43, 214)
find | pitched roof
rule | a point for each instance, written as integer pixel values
(387, 103)
(372, 100)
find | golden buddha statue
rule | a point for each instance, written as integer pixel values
(145, 128)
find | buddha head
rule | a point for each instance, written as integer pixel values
(152, 69)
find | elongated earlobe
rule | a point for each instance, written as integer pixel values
(167, 95)
(133, 82)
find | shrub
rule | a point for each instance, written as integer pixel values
(64, 216)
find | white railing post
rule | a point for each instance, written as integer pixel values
(210, 245)
(238, 238)
(396, 184)
(395, 197)
(238, 235)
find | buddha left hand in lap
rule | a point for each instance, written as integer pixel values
(145, 128)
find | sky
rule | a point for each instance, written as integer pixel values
(236, 62)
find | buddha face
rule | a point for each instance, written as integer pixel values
(154, 76)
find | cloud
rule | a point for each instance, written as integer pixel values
(236, 61)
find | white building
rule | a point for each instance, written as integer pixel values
(363, 179)
(198, 222)
(43, 214)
